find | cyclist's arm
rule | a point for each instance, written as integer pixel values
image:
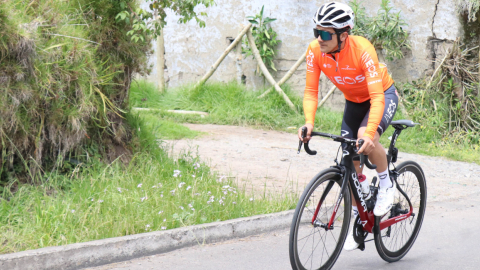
(373, 76)
(310, 98)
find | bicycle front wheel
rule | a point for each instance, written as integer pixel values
(312, 246)
(394, 242)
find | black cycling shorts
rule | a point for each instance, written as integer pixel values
(356, 114)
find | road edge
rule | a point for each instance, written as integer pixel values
(112, 250)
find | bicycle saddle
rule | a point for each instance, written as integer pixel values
(408, 123)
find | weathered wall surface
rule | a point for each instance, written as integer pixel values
(190, 50)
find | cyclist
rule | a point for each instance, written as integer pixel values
(351, 63)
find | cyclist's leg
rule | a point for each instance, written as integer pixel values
(378, 156)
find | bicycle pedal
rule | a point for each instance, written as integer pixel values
(361, 246)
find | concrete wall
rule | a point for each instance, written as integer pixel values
(190, 50)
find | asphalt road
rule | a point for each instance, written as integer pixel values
(449, 239)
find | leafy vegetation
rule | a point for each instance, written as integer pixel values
(95, 200)
(385, 30)
(265, 40)
(65, 73)
(148, 24)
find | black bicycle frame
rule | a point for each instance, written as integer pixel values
(350, 177)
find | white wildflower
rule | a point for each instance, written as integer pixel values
(212, 199)
(225, 192)
(93, 199)
(139, 185)
(196, 166)
(220, 201)
(193, 209)
(100, 201)
(189, 187)
(177, 173)
(197, 194)
(164, 228)
(73, 211)
(160, 212)
(181, 207)
(234, 202)
(208, 193)
(193, 175)
(181, 184)
(190, 205)
(173, 191)
(251, 199)
(144, 198)
(119, 189)
(164, 219)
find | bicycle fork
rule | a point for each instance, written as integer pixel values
(330, 225)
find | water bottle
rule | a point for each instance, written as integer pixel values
(365, 186)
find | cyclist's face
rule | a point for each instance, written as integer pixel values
(327, 46)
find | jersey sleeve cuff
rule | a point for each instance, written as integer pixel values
(370, 135)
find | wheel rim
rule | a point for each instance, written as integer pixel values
(397, 239)
(314, 245)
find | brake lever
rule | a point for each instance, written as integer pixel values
(300, 142)
(364, 158)
(307, 149)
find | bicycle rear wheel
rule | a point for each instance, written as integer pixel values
(394, 242)
(312, 246)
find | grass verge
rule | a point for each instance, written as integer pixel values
(232, 104)
(97, 200)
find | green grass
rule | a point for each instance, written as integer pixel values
(233, 104)
(97, 200)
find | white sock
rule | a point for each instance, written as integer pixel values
(355, 211)
(385, 179)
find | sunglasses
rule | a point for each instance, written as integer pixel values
(323, 34)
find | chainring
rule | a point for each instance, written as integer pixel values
(359, 234)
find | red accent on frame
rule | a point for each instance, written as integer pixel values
(333, 215)
(316, 211)
(389, 222)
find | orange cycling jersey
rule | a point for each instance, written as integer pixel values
(355, 70)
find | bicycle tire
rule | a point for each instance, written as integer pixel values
(301, 259)
(388, 242)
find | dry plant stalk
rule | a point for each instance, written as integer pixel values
(214, 67)
(265, 72)
(288, 75)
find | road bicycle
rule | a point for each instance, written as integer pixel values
(322, 217)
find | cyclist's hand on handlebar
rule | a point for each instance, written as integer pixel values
(309, 133)
(367, 146)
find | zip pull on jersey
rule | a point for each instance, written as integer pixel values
(359, 76)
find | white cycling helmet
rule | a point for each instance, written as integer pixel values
(334, 14)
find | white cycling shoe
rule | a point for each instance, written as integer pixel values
(385, 199)
(350, 243)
